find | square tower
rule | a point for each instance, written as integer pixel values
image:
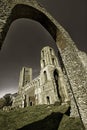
(25, 77)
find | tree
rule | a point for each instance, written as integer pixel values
(2, 102)
(8, 99)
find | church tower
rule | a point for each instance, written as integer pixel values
(53, 88)
(48, 57)
(25, 77)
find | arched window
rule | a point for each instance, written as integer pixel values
(56, 76)
(31, 104)
(48, 99)
(43, 63)
(50, 51)
(53, 61)
(45, 76)
(25, 103)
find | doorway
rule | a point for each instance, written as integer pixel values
(48, 99)
(31, 104)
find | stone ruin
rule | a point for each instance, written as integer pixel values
(71, 59)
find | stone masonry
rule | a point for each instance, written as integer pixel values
(76, 73)
(48, 88)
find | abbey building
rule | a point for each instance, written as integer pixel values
(48, 88)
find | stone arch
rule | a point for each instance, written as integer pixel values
(14, 9)
(26, 11)
(32, 10)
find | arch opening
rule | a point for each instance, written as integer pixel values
(25, 103)
(45, 76)
(18, 50)
(56, 77)
(26, 11)
(48, 100)
(53, 61)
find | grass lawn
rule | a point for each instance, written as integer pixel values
(42, 117)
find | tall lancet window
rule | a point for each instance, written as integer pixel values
(56, 77)
(43, 63)
(53, 61)
(50, 51)
(45, 76)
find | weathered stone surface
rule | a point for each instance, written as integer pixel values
(11, 10)
(48, 88)
(83, 58)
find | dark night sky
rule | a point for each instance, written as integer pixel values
(26, 38)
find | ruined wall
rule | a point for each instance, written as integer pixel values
(76, 73)
(48, 88)
(32, 90)
(83, 58)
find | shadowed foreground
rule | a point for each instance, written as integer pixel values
(51, 122)
(39, 118)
